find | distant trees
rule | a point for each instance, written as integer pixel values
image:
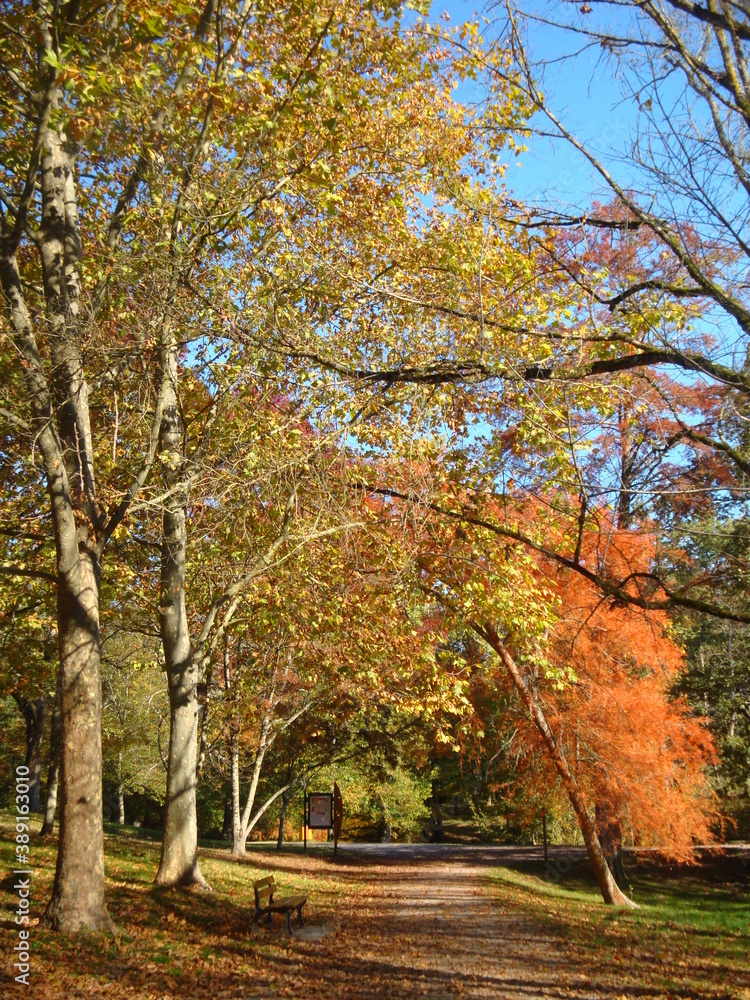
(132, 709)
(321, 641)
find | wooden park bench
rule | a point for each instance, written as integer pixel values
(266, 905)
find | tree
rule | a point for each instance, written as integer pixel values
(204, 156)
(53, 768)
(307, 651)
(133, 697)
(297, 175)
(60, 304)
(392, 795)
(670, 247)
(684, 67)
(34, 712)
(715, 675)
(27, 618)
(626, 663)
(556, 642)
(535, 325)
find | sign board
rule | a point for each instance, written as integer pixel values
(320, 812)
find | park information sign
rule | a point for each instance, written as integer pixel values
(320, 812)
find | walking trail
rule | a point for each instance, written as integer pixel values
(433, 929)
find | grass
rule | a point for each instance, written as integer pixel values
(189, 943)
(690, 936)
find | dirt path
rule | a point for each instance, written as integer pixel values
(434, 930)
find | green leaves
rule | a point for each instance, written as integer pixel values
(50, 57)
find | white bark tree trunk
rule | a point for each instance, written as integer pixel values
(62, 433)
(179, 857)
(53, 771)
(34, 711)
(120, 792)
(239, 844)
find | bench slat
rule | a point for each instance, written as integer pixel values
(290, 903)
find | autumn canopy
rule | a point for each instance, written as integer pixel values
(324, 454)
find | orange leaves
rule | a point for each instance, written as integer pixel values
(635, 747)
(602, 669)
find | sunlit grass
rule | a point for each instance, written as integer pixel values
(691, 933)
(176, 942)
(690, 937)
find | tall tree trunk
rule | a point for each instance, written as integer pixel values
(609, 832)
(120, 792)
(239, 845)
(179, 855)
(60, 430)
(53, 770)
(62, 424)
(204, 715)
(627, 462)
(226, 828)
(34, 711)
(78, 893)
(232, 813)
(282, 819)
(608, 887)
(234, 749)
(260, 812)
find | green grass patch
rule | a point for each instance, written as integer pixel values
(690, 936)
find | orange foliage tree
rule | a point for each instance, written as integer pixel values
(593, 673)
(639, 752)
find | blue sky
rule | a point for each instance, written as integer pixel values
(584, 94)
(587, 96)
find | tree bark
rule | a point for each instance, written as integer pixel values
(609, 832)
(226, 829)
(234, 749)
(608, 887)
(238, 844)
(60, 429)
(34, 711)
(627, 464)
(62, 432)
(179, 856)
(282, 819)
(78, 894)
(232, 812)
(120, 792)
(53, 770)
(260, 813)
